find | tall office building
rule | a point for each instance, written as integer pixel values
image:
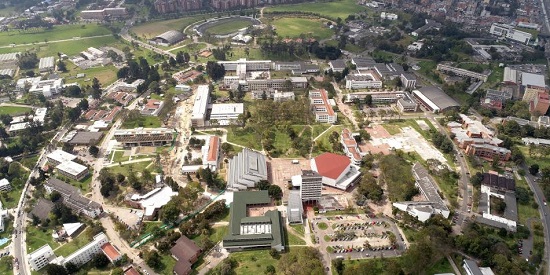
(311, 185)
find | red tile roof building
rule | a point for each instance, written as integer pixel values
(321, 107)
(211, 153)
(152, 107)
(111, 252)
(337, 170)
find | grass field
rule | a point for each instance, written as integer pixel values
(526, 211)
(244, 137)
(14, 110)
(229, 26)
(335, 9)
(105, 74)
(294, 239)
(252, 262)
(142, 121)
(13, 196)
(6, 265)
(293, 27)
(68, 47)
(80, 241)
(443, 266)
(125, 168)
(37, 237)
(152, 29)
(56, 33)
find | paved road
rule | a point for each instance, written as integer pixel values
(18, 246)
(544, 211)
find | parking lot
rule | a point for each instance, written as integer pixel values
(357, 236)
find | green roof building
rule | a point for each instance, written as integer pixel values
(253, 232)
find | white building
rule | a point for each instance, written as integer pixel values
(363, 81)
(388, 16)
(154, 200)
(408, 80)
(183, 88)
(40, 115)
(5, 185)
(59, 156)
(46, 64)
(310, 183)
(337, 170)
(227, 113)
(415, 46)
(73, 170)
(202, 98)
(3, 215)
(86, 253)
(41, 257)
(321, 107)
(508, 32)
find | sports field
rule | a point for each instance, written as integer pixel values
(335, 9)
(56, 33)
(152, 29)
(229, 27)
(294, 27)
(14, 110)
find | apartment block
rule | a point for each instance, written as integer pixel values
(321, 107)
(144, 137)
(311, 185)
(86, 253)
(41, 257)
(539, 106)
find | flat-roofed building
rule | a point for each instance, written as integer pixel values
(59, 156)
(152, 201)
(539, 106)
(295, 209)
(258, 232)
(350, 147)
(152, 107)
(144, 137)
(408, 80)
(363, 80)
(509, 32)
(406, 104)
(5, 185)
(72, 170)
(321, 107)
(41, 257)
(246, 169)
(462, 72)
(434, 99)
(311, 185)
(86, 253)
(226, 113)
(73, 199)
(337, 65)
(46, 64)
(202, 99)
(488, 151)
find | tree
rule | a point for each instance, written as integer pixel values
(476, 179)
(534, 169)
(100, 260)
(270, 269)
(53, 269)
(274, 253)
(93, 150)
(61, 66)
(171, 211)
(73, 91)
(14, 169)
(83, 104)
(67, 147)
(55, 196)
(215, 71)
(71, 268)
(263, 185)
(153, 259)
(338, 265)
(275, 192)
(368, 100)
(303, 260)
(6, 119)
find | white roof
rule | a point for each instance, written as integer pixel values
(61, 156)
(19, 126)
(157, 200)
(70, 228)
(71, 167)
(532, 80)
(201, 101)
(229, 108)
(4, 182)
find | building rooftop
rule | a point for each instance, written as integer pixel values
(46, 62)
(427, 185)
(338, 64)
(42, 209)
(227, 108)
(171, 36)
(110, 251)
(71, 228)
(156, 199)
(331, 165)
(214, 143)
(86, 138)
(72, 167)
(295, 208)
(201, 102)
(438, 97)
(530, 79)
(499, 181)
(61, 156)
(185, 249)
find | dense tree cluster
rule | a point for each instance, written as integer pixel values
(141, 70)
(183, 203)
(441, 142)
(110, 182)
(301, 261)
(200, 223)
(215, 71)
(369, 189)
(397, 175)
(27, 61)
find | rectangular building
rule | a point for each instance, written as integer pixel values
(311, 186)
(226, 113)
(294, 209)
(73, 199)
(46, 64)
(508, 32)
(462, 72)
(363, 81)
(5, 185)
(144, 137)
(41, 257)
(321, 107)
(488, 151)
(202, 99)
(211, 153)
(408, 80)
(72, 170)
(539, 106)
(246, 169)
(86, 253)
(59, 156)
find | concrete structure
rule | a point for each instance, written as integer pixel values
(211, 153)
(168, 6)
(186, 253)
(202, 99)
(86, 253)
(363, 63)
(276, 95)
(46, 64)
(294, 209)
(510, 216)
(73, 199)
(406, 104)
(408, 80)
(510, 76)
(434, 99)
(495, 99)
(246, 169)
(337, 170)
(508, 32)
(72, 170)
(321, 107)
(5, 185)
(337, 65)
(144, 136)
(41, 257)
(310, 184)
(242, 65)
(350, 147)
(104, 14)
(259, 232)
(153, 201)
(488, 151)
(388, 71)
(152, 107)
(111, 252)
(530, 80)
(48, 88)
(536, 141)
(434, 204)
(227, 113)
(59, 156)
(462, 72)
(168, 38)
(388, 16)
(363, 81)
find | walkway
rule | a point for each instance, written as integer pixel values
(129, 162)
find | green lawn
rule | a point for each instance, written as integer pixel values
(142, 121)
(13, 195)
(322, 144)
(79, 241)
(526, 211)
(392, 129)
(6, 266)
(59, 32)
(299, 228)
(14, 110)
(334, 9)
(168, 263)
(216, 235)
(318, 129)
(541, 161)
(252, 262)
(37, 237)
(29, 162)
(443, 266)
(125, 168)
(151, 29)
(322, 226)
(105, 74)
(226, 26)
(245, 137)
(292, 27)
(68, 47)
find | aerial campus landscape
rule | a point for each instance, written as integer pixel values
(274, 137)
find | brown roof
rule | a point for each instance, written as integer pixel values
(99, 115)
(185, 250)
(131, 271)
(42, 209)
(182, 268)
(110, 251)
(90, 114)
(213, 149)
(324, 95)
(153, 104)
(331, 165)
(112, 114)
